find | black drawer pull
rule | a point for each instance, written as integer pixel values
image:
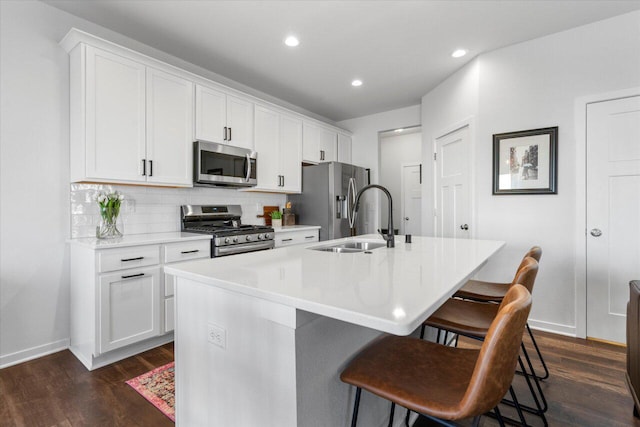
(132, 275)
(287, 240)
(132, 259)
(309, 237)
(190, 252)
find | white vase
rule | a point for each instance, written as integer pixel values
(276, 222)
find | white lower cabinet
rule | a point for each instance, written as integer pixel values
(129, 307)
(122, 303)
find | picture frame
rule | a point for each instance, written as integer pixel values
(526, 162)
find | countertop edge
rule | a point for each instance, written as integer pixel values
(137, 240)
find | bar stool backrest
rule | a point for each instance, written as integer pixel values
(496, 364)
(535, 253)
(526, 275)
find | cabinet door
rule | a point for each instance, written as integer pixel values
(344, 148)
(310, 143)
(169, 129)
(240, 122)
(115, 117)
(291, 154)
(267, 140)
(211, 114)
(129, 307)
(328, 143)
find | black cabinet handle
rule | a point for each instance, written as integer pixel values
(150, 167)
(225, 133)
(283, 180)
(132, 275)
(287, 240)
(190, 252)
(229, 134)
(309, 237)
(132, 259)
(144, 167)
(420, 173)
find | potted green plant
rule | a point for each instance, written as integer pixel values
(276, 219)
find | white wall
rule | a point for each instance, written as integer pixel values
(395, 151)
(365, 146)
(527, 86)
(34, 179)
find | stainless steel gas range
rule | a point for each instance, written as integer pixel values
(223, 222)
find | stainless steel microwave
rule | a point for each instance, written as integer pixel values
(224, 165)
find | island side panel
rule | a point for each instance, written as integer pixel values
(324, 347)
(252, 380)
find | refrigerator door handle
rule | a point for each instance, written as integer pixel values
(351, 199)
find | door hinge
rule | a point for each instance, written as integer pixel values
(435, 156)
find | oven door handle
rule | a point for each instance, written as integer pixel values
(246, 178)
(245, 247)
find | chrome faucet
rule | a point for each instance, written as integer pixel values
(389, 236)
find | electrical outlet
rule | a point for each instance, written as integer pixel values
(217, 335)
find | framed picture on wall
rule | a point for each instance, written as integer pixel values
(526, 162)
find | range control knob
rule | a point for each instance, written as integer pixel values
(235, 239)
(267, 236)
(249, 238)
(227, 240)
(260, 236)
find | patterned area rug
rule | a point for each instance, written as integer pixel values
(158, 387)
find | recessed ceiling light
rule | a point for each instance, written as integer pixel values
(356, 83)
(459, 53)
(292, 41)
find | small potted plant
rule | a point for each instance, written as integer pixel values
(109, 205)
(276, 219)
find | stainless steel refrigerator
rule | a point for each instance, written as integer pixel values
(328, 193)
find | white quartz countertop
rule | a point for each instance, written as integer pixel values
(138, 240)
(389, 289)
(286, 228)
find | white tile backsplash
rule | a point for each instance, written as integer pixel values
(157, 209)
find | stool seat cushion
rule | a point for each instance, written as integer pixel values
(420, 375)
(464, 317)
(478, 290)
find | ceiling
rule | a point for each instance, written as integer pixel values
(399, 49)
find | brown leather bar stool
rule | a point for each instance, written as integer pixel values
(478, 290)
(441, 382)
(473, 319)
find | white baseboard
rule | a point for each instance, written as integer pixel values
(555, 328)
(33, 353)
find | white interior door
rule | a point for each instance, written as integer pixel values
(613, 212)
(452, 180)
(411, 199)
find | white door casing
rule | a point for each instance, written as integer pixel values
(453, 184)
(613, 209)
(411, 203)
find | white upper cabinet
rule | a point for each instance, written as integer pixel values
(278, 140)
(223, 118)
(169, 130)
(114, 117)
(319, 144)
(129, 123)
(344, 148)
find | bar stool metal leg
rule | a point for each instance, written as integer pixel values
(535, 345)
(356, 404)
(393, 409)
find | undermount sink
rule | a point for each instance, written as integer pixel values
(350, 247)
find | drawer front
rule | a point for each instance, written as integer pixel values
(295, 238)
(183, 251)
(131, 257)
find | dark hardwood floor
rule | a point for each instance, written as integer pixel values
(586, 388)
(57, 390)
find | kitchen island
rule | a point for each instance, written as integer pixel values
(261, 338)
